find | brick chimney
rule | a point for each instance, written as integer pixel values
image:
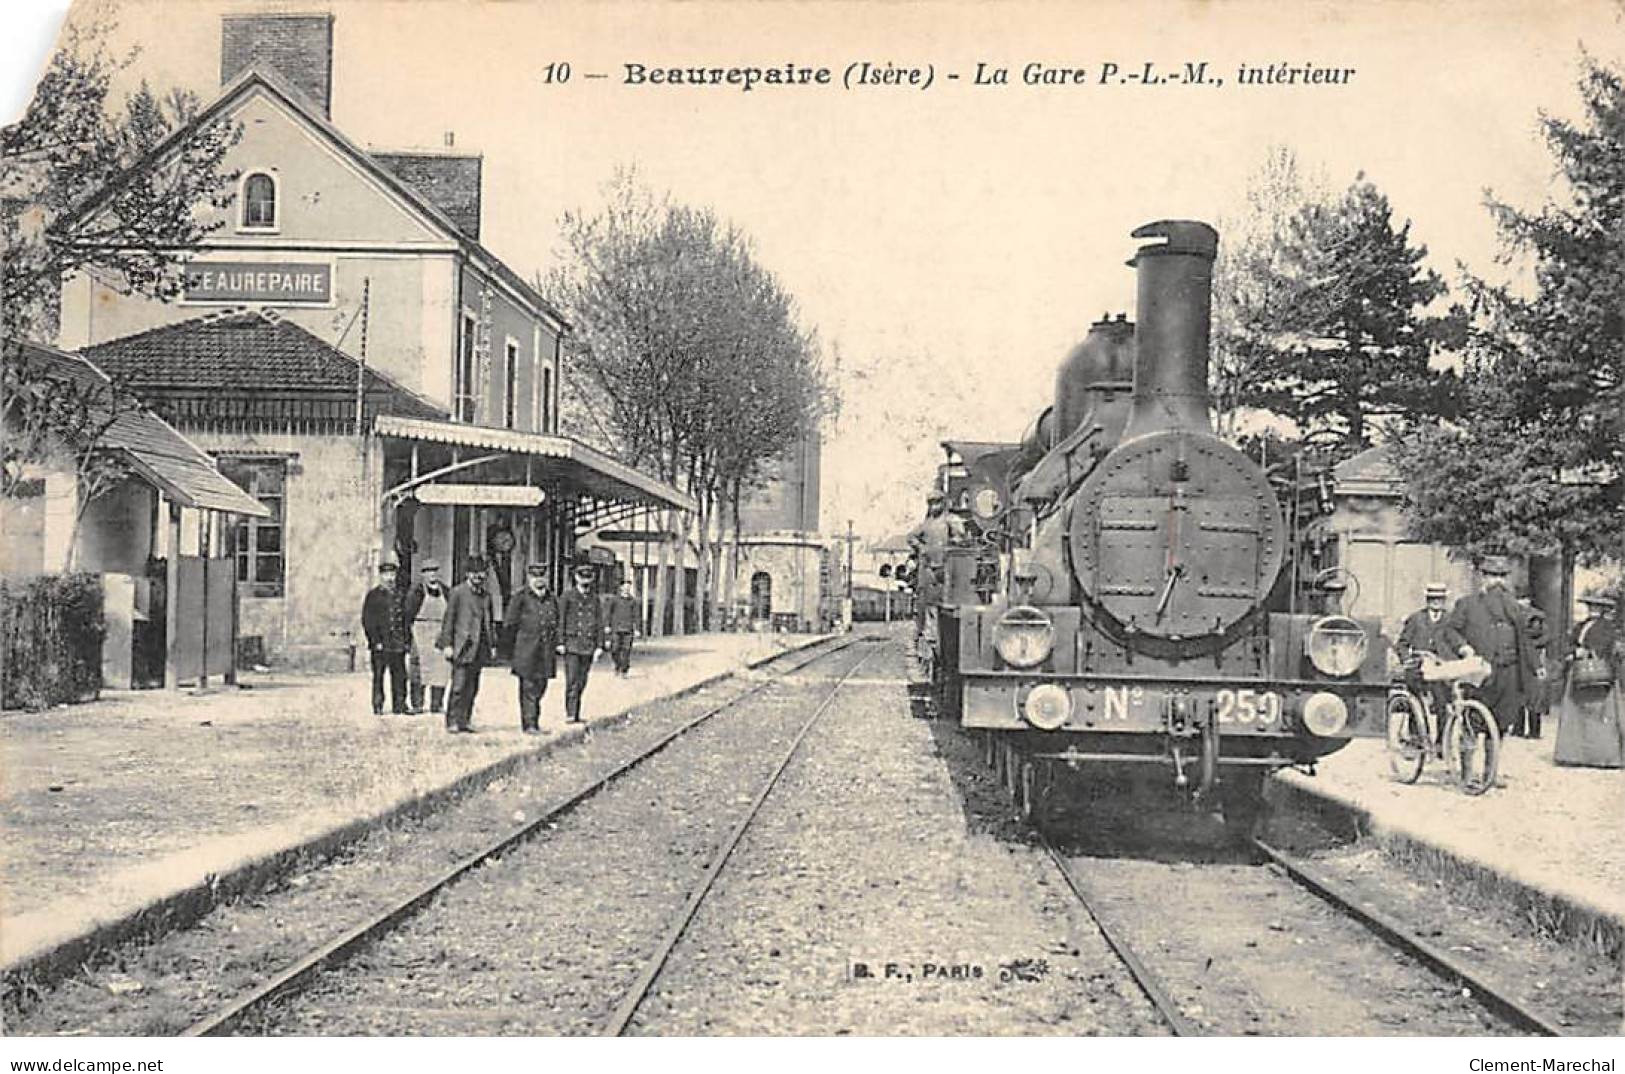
(297, 47)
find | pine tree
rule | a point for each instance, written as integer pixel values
(1351, 338)
(1535, 462)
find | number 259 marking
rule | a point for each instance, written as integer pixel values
(1249, 706)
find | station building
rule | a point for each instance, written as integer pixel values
(356, 359)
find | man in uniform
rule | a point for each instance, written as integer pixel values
(1426, 631)
(467, 636)
(426, 666)
(621, 620)
(1492, 625)
(581, 635)
(533, 625)
(383, 620)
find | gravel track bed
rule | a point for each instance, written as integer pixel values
(161, 987)
(545, 940)
(1568, 985)
(1239, 946)
(876, 848)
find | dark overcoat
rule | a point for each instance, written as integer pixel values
(1421, 635)
(533, 623)
(581, 623)
(1498, 630)
(621, 614)
(467, 615)
(383, 619)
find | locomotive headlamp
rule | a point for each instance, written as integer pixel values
(1337, 645)
(1024, 637)
(1325, 715)
(1047, 706)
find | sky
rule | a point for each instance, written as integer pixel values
(948, 243)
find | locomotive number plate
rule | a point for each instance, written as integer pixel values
(1244, 707)
(1248, 706)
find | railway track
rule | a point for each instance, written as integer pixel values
(1491, 993)
(302, 974)
(1456, 974)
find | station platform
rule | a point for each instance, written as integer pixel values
(1545, 841)
(146, 803)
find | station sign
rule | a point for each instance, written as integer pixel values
(636, 536)
(274, 283)
(480, 495)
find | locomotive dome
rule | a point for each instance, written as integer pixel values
(1104, 357)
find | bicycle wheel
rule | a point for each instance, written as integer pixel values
(1407, 737)
(1472, 742)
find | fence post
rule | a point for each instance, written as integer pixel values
(172, 603)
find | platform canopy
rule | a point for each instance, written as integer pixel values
(558, 459)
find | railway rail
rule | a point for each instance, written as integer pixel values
(1492, 995)
(300, 975)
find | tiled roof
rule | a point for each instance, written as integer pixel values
(159, 453)
(247, 352)
(1370, 473)
(450, 180)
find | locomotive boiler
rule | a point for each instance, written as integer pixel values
(1140, 618)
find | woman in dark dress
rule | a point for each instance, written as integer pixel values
(1591, 723)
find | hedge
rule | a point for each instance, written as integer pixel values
(52, 628)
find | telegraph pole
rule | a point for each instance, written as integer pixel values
(846, 607)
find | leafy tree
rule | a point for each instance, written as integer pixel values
(1535, 463)
(1341, 339)
(96, 187)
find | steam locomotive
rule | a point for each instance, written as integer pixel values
(1117, 601)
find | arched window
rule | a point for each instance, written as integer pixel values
(259, 201)
(761, 595)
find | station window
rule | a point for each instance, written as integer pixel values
(463, 401)
(510, 388)
(260, 546)
(547, 399)
(259, 201)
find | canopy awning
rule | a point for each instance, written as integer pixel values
(193, 482)
(148, 444)
(594, 473)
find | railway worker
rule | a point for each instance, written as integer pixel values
(621, 621)
(533, 626)
(383, 620)
(467, 636)
(1426, 631)
(581, 635)
(1492, 625)
(1591, 715)
(426, 667)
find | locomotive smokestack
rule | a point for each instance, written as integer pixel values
(1174, 283)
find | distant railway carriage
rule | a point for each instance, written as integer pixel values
(1124, 601)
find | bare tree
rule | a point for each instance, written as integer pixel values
(698, 369)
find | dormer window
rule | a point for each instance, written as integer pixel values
(259, 202)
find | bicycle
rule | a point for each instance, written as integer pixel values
(1470, 745)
